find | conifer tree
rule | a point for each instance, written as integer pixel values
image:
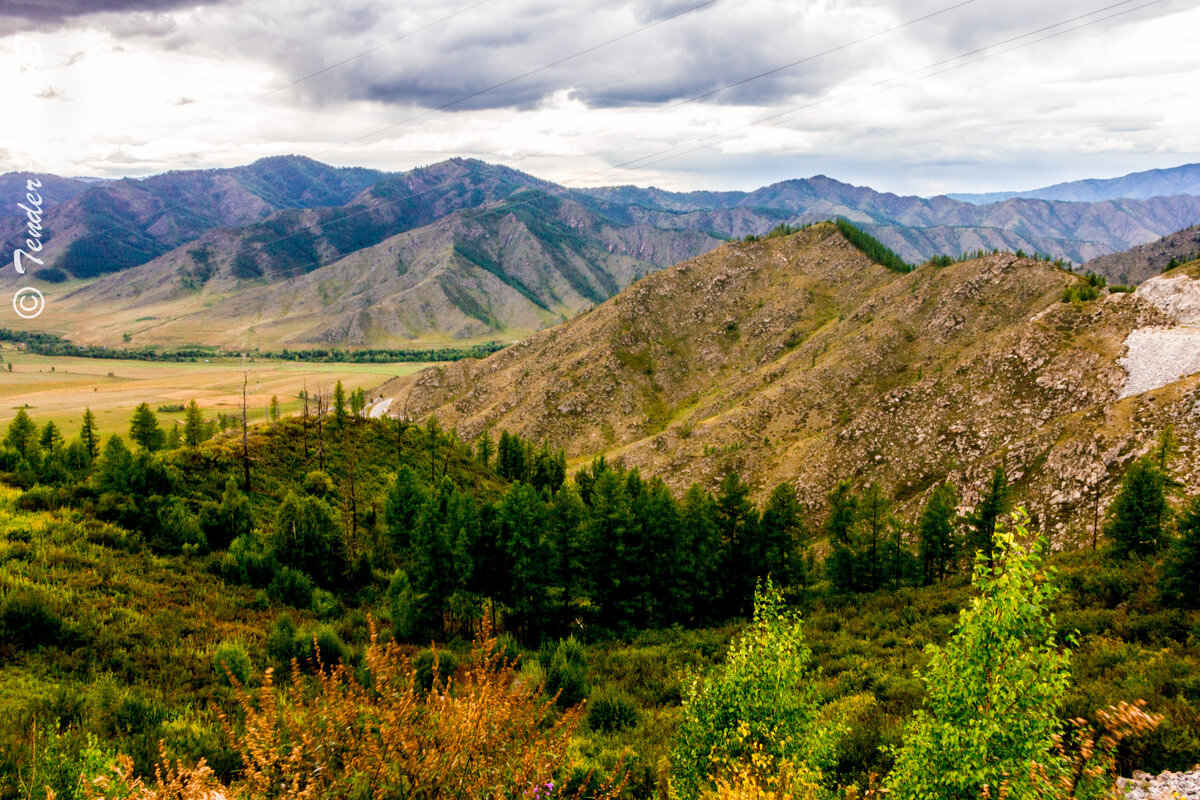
(405, 500)
(193, 425)
(145, 430)
(339, 404)
(698, 553)
(992, 507)
(483, 448)
(22, 434)
(935, 533)
(1181, 567)
(841, 565)
(89, 435)
(875, 520)
(1137, 524)
(523, 529)
(781, 530)
(51, 438)
(742, 558)
(274, 409)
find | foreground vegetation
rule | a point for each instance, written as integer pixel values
(142, 585)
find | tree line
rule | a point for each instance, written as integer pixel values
(445, 531)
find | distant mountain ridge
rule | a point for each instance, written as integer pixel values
(1143, 262)
(182, 247)
(1184, 179)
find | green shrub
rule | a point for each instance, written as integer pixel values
(993, 693)
(427, 662)
(761, 702)
(29, 620)
(249, 563)
(232, 659)
(291, 587)
(566, 668)
(610, 710)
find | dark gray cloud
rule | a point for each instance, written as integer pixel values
(48, 14)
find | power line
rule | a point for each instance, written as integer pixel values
(464, 98)
(704, 142)
(691, 99)
(322, 71)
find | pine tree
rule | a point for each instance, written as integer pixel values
(935, 533)
(698, 553)
(274, 410)
(193, 425)
(22, 434)
(51, 438)
(523, 525)
(992, 507)
(781, 531)
(405, 499)
(483, 448)
(742, 559)
(1138, 517)
(89, 435)
(339, 404)
(145, 430)
(1181, 567)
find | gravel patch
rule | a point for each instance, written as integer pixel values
(1178, 296)
(1165, 786)
(1159, 356)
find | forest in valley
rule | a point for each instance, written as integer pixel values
(321, 605)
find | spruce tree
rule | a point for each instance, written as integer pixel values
(51, 438)
(339, 404)
(1181, 567)
(193, 425)
(935, 533)
(483, 448)
(1138, 517)
(145, 430)
(992, 506)
(22, 434)
(89, 435)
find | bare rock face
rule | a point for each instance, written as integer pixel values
(1160, 355)
(1165, 786)
(1178, 295)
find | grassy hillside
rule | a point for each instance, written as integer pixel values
(112, 636)
(799, 360)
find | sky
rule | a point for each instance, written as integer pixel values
(909, 96)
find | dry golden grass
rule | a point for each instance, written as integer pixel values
(483, 735)
(113, 388)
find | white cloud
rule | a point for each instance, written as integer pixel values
(1096, 102)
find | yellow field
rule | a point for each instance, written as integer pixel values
(58, 389)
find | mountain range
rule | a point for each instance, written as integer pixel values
(1139, 185)
(291, 252)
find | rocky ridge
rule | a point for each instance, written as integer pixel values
(798, 360)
